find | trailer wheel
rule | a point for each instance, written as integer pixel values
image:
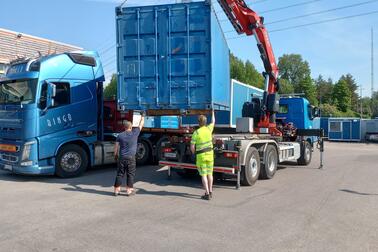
(159, 147)
(143, 153)
(250, 172)
(306, 154)
(270, 163)
(71, 161)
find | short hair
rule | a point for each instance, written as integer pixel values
(127, 124)
(202, 120)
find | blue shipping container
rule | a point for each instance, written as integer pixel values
(239, 94)
(344, 129)
(172, 57)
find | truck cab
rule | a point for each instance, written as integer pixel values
(297, 113)
(50, 114)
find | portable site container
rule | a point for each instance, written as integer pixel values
(324, 125)
(369, 127)
(344, 129)
(172, 57)
(239, 94)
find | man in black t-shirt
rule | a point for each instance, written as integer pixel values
(124, 152)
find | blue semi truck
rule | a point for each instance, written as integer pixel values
(172, 60)
(52, 117)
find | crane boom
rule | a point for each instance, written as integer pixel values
(247, 21)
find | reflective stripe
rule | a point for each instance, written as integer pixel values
(200, 144)
(207, 146)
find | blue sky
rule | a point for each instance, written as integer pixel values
(331, 48)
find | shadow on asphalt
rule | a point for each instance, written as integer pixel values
(104, 177)
(358, 193)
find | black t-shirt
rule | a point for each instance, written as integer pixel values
(128, 141)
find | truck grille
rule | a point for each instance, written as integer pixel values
(8, 158)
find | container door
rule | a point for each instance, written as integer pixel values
(347, 130)
(164, 57)
(356, 130)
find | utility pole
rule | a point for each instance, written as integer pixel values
(361, 112)
(372, 62)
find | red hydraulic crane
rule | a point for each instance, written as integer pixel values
(246, 21)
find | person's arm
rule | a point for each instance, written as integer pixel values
(116, 149)
(193, 148)
(212, 124)
(193, 143)
(141, 123)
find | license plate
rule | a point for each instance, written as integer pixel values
(170, 155)
(7, 167)
(8, 148)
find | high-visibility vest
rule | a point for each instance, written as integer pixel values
(203, 139)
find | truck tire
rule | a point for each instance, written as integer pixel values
(143, 154)
(71, 161)
(250, 172)
(269, 167)
(306, 154)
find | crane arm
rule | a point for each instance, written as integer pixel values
(247, 21)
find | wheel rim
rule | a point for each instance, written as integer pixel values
(141, 151)
(71, 161)
(253, 166)
(271, 162)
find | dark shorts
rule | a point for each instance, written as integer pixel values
(126, 166)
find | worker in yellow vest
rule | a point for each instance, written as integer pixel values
(202, 146)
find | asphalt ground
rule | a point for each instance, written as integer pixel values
(300, 209)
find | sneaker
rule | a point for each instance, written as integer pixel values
(132, 193)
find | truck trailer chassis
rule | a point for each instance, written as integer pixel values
(251, 156)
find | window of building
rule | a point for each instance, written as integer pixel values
(335, 126)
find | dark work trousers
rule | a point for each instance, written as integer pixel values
(126, 165)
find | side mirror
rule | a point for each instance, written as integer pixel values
(315, 112)
(51, 93)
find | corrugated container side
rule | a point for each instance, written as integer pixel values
(171, 57)
(240, 93)
(220, 71)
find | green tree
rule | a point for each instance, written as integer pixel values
(342, 96)
(307, 87)
(294, 69)
(374, 104)
(365, 105)
(245, 72)
(286, 87)
(328, 110)
(352, 85)
(253, 77)
(324, 90)
(110, 90)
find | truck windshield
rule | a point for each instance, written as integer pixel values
(18, 91)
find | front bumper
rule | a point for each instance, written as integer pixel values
(28, 170)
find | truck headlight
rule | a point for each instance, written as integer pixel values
(26, 151)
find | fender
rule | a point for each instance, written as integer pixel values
(246, 144)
